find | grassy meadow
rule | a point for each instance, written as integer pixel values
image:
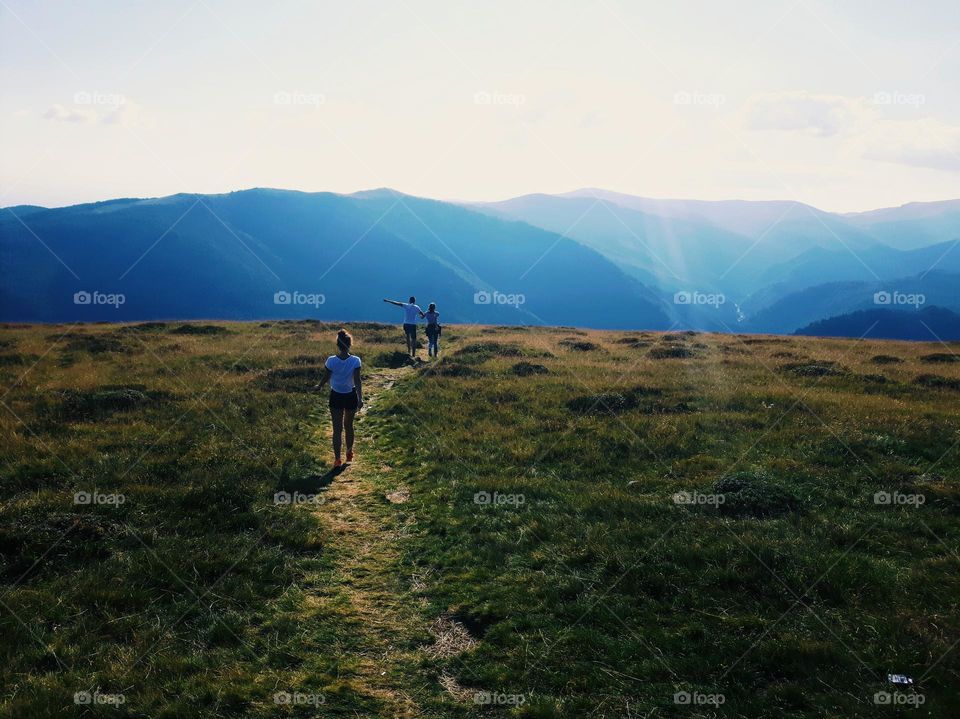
(546, 522)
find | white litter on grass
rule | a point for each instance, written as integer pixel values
(901, 679)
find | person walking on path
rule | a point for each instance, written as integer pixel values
(433, 330)
(342, 370)
(411, 313)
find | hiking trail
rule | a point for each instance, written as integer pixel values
(389, 630)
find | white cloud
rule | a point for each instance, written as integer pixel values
(860, 125)
(818, 115)
(927, 142)
(60, 113)
(127, 114)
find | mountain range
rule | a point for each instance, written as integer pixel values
(589, 258)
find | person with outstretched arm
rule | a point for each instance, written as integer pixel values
(411, 313)
(342, 370)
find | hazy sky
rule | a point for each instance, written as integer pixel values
(847, 105)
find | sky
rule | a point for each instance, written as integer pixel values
(847, 105)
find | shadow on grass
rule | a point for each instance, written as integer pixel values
(310, 484)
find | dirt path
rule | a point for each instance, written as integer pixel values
(367, 586)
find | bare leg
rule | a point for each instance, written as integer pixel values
(348, 425)
(337, 415)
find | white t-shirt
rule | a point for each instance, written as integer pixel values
(411, 313)
(433, 318)
(341, 372)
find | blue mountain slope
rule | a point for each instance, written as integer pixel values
(933, 324)
(803, 307)
(913, 225)
(188, 256)
(878, 264)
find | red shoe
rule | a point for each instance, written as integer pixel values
(337, 463)
(349, 456)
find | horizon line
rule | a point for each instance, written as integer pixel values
(462, 201)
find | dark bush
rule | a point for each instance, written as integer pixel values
(92, 343)
(670, 352)
(753, 495)
(579, 345)
(634, 342)
(940, 358)
(935, 381)
(814, 369)
(490, 349)
(291, 379)
(392, 360)
(453, 369)
(187, 329)
(89, 405)
(611, 401)
(12, 360)
(525, 369)
(144, 327)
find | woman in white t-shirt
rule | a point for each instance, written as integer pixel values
(346, 393)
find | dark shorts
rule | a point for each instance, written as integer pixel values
(410, 331)
(433, 331)
(343, 400)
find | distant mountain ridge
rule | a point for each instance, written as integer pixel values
(589, 257)
(227, 256)
(933, 324)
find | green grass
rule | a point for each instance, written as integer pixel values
(581, 588)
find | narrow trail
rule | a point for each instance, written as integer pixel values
(365, 517)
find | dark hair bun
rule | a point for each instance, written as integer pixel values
(344, 339)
